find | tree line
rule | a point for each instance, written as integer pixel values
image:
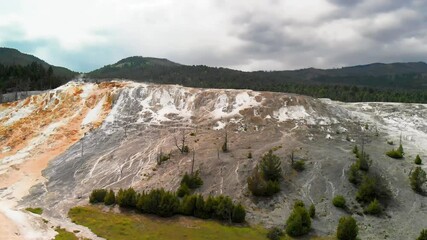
(167, 203)
(30, 77)
(347, 88)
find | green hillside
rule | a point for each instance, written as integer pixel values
(10, 56)
(24, 72)
(397, 82)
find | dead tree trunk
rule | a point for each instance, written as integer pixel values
(291, 157)
(192, 163)
(183, 148)
(225, 145)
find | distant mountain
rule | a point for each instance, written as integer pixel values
(400, 82)
(135, 68)
(10, 57)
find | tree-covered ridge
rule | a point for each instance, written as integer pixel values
(29, 77)
(24, 72)
(397, 82)
(11, 57)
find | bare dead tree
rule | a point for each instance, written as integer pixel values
(183, 148)
(192, 162)
(225, 144)
(291, 157)
(159, 157)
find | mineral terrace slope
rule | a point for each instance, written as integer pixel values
(33, 132)
(145, 118)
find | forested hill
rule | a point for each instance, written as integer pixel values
(23, 72)
(395, 82)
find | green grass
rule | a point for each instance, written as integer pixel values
(135, 226)
(64, 235)
(38, 210)
(118, 226)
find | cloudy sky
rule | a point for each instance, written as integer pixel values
(241, 34)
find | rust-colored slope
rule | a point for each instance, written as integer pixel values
(54, 124)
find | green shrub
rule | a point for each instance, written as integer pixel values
(270, 167)
(256, 183)
(347, 228)
(158, 201)
(274, 233)
(417, 179)
(110, 198)
(299, 222)
(224, 208)
(169, 204)
(193, 181)
(354, 176)
(312, 211)
(126, 198)
(364, 162)
(339, 201)
(260, 187)
(372, 188)
(239, 214)
(374, 208)
(38, 210)
(423, 235)
(183, 190)
(396, 153)
(97, 196)
(165, 204)
(273, 187)
(299, 203)
(264, 180)
(162, 158)
(188, 205)
(400, 148)
(417, 160)
(355, 150)
(199, 207)
(299, 165)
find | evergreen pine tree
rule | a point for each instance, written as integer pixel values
(417, 160)
(299, 222)
(312, 211)
(270, 167)
(239, 214)
(110, 198)
(423, 235)
(417, 179)
(347, 228)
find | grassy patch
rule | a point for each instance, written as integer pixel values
(38, 211)
(64, 235)
(135, 226)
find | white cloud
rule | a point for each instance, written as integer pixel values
(249, 34)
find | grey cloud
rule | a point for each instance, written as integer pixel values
(251, 35)
(300, 48)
